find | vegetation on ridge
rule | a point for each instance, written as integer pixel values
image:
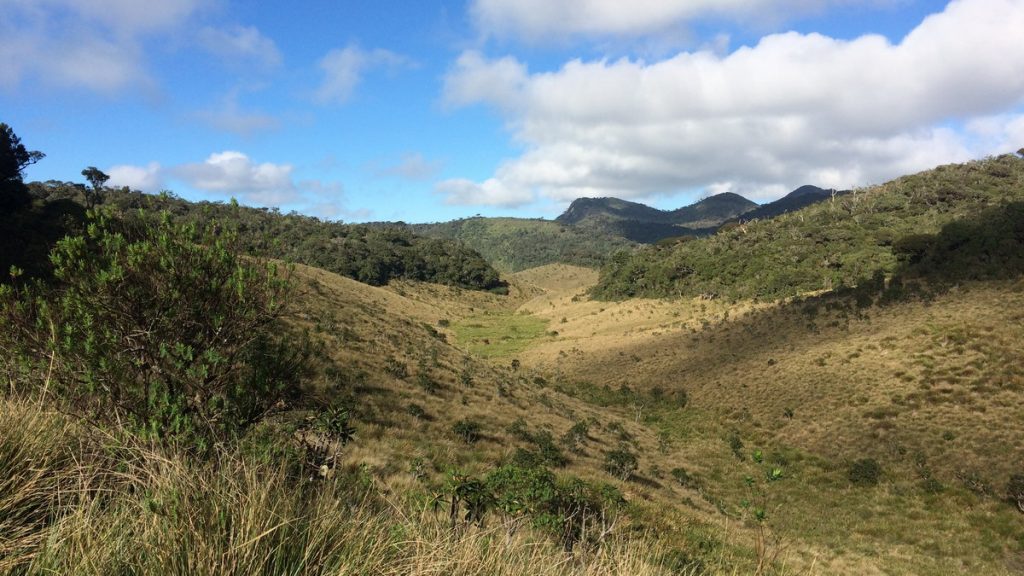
(840, 242)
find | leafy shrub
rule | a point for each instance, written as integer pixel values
(574, 438)
(864, 472)
(685, 479)
(468, 430)
(621, 463)
(336, 423)
(158, 325)
(736, 445)
(569, 509)
(1015, 490)
(417, 411)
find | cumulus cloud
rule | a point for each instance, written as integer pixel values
(793, 109)
(235, 174)
(148, 178)
(493, 192)
(241, 45)
(344, 68)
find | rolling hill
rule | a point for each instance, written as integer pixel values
(513, 244)
(641, 223)
(838, 243)
(770, 423)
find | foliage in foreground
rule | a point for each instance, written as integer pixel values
(158, 326)
(74, 501)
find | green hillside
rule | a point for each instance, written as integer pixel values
(840, 242)
(513, 244)
(641, 223)
(374, 254)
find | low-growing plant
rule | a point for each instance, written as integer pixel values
(864, 472)
(467, 430)
(1015, 490)
(621, 463)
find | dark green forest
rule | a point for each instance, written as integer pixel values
(370, 253)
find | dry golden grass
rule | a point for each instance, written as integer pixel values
(934, 391)
(888, 385)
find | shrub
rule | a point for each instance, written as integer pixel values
(468, 430)
(160, 326)
(864, 472)
(574, 438)
(1015, 490)
(620, 463)
(685, 479)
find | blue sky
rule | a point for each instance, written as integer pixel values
(428, 111)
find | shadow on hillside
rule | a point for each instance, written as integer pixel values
(989, 246)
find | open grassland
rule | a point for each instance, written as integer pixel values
(932, 390)
(743, 420)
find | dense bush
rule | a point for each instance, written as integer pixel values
(467, 430)
(157, 325)
(569, 509)
(621, 463)
(1015, 490)
(864, 472)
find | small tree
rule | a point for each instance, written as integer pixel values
(14, 158)
(96, 179)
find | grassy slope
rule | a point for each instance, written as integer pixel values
(931, 390)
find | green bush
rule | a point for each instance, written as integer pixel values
(569, 509)
(685, 479)
(864, 472)
(1015, 490)
(159, 326)
(468, 430)
(621, 463)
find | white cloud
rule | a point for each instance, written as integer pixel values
(234, 173)
(547, 20)
(148, 178)
(491, 192)
(97, 45)
(793, 109)
(344, 68)
(476, 79)
(242, 45)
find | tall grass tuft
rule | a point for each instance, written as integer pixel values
(73, 500)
